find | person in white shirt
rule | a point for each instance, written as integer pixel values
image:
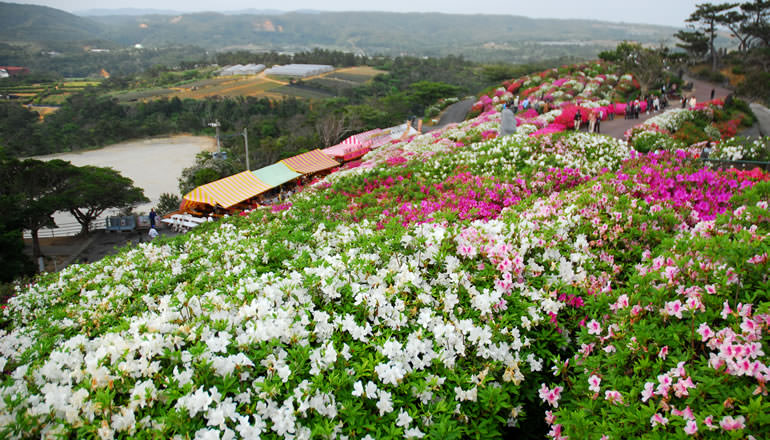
(153, 233)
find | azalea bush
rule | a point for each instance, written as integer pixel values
(680, 351)
(679, 128)
(582, 87)
(740, 148)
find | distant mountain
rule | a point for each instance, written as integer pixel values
(253, 11)
(125, 11)
(40, 23)
(478, 37)
(431, 34)
(135, 11)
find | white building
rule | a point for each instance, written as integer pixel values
(299, 70)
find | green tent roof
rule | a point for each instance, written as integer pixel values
(276, 174)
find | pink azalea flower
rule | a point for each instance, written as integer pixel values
(594, 381)
(705, 332)
(594, 328)
(682, 386)
(556, 433)
(673, 308)
(679, 371)
(709, 422)
(726, 310)
(758, 259)
(613, 397)
(551, 396)
(658, 419)
(685, 414)
(728, 423)
(648, 392)
(694, 304)
(691, 427)
(663, 352)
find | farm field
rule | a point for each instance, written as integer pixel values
(260, 85)
(52, 93)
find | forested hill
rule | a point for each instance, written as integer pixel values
(40, 23)
(431, 34)
(478, 37)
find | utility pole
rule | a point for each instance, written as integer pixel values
(246, 143)
(216, 124)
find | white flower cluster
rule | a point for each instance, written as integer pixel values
(741, 149)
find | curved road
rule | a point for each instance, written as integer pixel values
(453, 114)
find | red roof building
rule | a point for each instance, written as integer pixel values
(15, 70)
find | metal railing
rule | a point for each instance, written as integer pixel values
(65, 229)
(740, 164)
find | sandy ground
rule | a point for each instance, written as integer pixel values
(153, 164)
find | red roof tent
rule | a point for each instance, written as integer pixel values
(15, 70)
(353, 147)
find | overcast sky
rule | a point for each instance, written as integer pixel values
(666, 12)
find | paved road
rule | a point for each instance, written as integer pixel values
(763, 118)
(453, 114)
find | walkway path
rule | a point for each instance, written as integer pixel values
(455, 113)
(763, 118)
(701, 90)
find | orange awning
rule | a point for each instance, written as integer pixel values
(228, 191)
(310, 162)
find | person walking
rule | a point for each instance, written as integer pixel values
(713, 91)
(598, 124)
(591, 122)
(578, 120)
(507, 121)
(153, 216)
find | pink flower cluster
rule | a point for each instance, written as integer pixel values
(550, 396)
(665, 182)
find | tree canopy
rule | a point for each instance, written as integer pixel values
(96, 189)
(709, 16)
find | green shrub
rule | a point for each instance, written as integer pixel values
(651, 141)
(735, 106)
(690, 133)
(756, 85)
(168, 203)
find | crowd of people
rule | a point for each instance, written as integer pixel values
(650, 103)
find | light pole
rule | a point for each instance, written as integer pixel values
(216, 124)
(246, 143)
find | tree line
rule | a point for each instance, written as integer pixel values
(749, 24)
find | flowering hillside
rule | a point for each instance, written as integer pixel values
(453, 285)
(558, 94)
